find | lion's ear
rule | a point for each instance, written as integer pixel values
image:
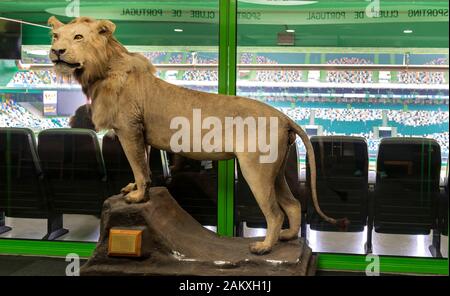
(106, 27)
(54, 22)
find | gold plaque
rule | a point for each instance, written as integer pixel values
(125, 242)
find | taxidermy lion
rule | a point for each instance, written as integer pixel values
(128, 98)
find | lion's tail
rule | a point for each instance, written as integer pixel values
(341, 223)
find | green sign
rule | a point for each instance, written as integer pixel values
(288, 15)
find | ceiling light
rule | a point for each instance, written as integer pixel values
(178, 30)
(290, 31)
(407, 31)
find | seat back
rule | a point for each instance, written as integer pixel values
(73, 164)
(246, 206)
(157, 167)
(21, 188)
(119, 170)
(195, 190)
(117, 166)
(342, 181)
(407, 185)
(443, 206)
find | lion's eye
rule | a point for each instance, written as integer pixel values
(55, 36)
(78, 37)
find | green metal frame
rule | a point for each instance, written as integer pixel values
(388, 264)
(327, 261)
(227, 85)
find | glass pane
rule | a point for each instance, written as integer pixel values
(368, 81)
(172, 35)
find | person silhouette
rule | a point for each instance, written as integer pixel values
(82, 118)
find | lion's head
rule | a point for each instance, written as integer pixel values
(83, 47)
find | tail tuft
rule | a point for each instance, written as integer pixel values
(343, 224)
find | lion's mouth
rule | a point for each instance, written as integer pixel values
(64, 63)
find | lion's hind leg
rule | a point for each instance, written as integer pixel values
(290, 205)
(260, 178)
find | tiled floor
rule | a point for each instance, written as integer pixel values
(86, 228)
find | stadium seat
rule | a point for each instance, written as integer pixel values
(117, 167)
(22, 184)
(443, 207)
(73, 164)
(158, 167)
(195, 189)
(342, 181)
(407, 187)
(119, 171)
(246, 207)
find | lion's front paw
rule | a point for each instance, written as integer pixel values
(127, 189)
(260, 248)
(136, 196)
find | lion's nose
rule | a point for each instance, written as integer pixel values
(58, 52)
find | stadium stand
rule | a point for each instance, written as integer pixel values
(45, 77)
(350, 76)
(424, 77)
(13, 114)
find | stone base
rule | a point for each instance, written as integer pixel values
(174, 243)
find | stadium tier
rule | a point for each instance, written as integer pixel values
(43, 77)
(341, 102)
(13, 114)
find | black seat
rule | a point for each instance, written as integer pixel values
(22, 183)
(119, 170)
(194, 187)
(72, 161)
(407, 186)
(246, 207)
(342, 181)
(443, 207)
(158, 167)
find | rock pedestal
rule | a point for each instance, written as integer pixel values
(174, 243)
